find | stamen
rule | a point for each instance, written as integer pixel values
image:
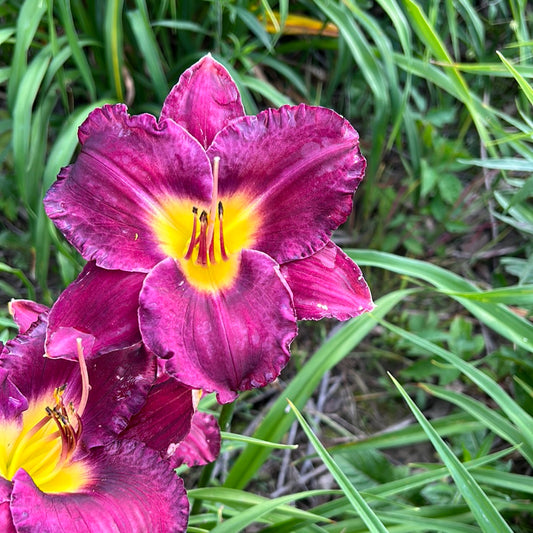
(202, 245)
(192, 244)
(223, 253)
(214, 201)
(85, 387)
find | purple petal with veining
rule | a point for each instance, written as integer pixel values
(327, 284)
(12, 401)
(202, 444)
(105, 202)
(165, 418)
(132, 489)
(228, 340)
(6, 520)
(298, 167)
(100, 307)
(204, 100)
(25, 313)
(119, 382)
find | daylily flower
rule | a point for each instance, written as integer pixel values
(226, 221)
(71, 453)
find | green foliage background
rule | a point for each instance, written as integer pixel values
(440, 92)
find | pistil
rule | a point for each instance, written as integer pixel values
(214, 201)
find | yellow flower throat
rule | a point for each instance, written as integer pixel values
(206, 244)
(45, 443)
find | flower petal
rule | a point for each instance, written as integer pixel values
(100, 306)
(105, 202)
(133, 489)
(25, 313)
(12, 401)
(34, 375)
(228, 340)
(204, 100)
(119, 382)
(165, 418)
(6, 521)
(327, 284)
(202, 444)
(298, 167)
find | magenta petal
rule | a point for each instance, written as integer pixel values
(25, 313)
(120, 382)
(204, 100)
(32, 373)
(202, 444)
(133, 489)
(12, 401)
(105, 202)
(6, 521)
(234, 339)
(165, 418)
(327, 284)
(101, 308)
(298, 168)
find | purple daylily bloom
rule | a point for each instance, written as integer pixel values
(69, 452)
(227, 220)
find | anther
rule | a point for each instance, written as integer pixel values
(223, 253)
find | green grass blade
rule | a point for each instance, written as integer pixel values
(489, 417)
(75, 47)
(265, 89)
(521, 295)
(496, 316)
(113, 35)
(487, 516)
(28, 20)
(524, 85)
(277, 421)
(22, 124)
(514, 412)
(244, 438)
(147, 46)
(257, 511)
(370, 518)
(455, 424)
(242, 500)
(21, 276)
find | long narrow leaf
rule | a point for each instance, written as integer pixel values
(496, 316)
(516, 414)
(362, 508)
(487, 516)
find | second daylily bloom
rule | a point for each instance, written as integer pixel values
(74, 449)
(227, 216)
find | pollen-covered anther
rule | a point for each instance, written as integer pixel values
(223, 253)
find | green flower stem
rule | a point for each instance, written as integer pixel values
(224, 421)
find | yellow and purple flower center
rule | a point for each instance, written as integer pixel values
(206, 239)
(44, 444)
